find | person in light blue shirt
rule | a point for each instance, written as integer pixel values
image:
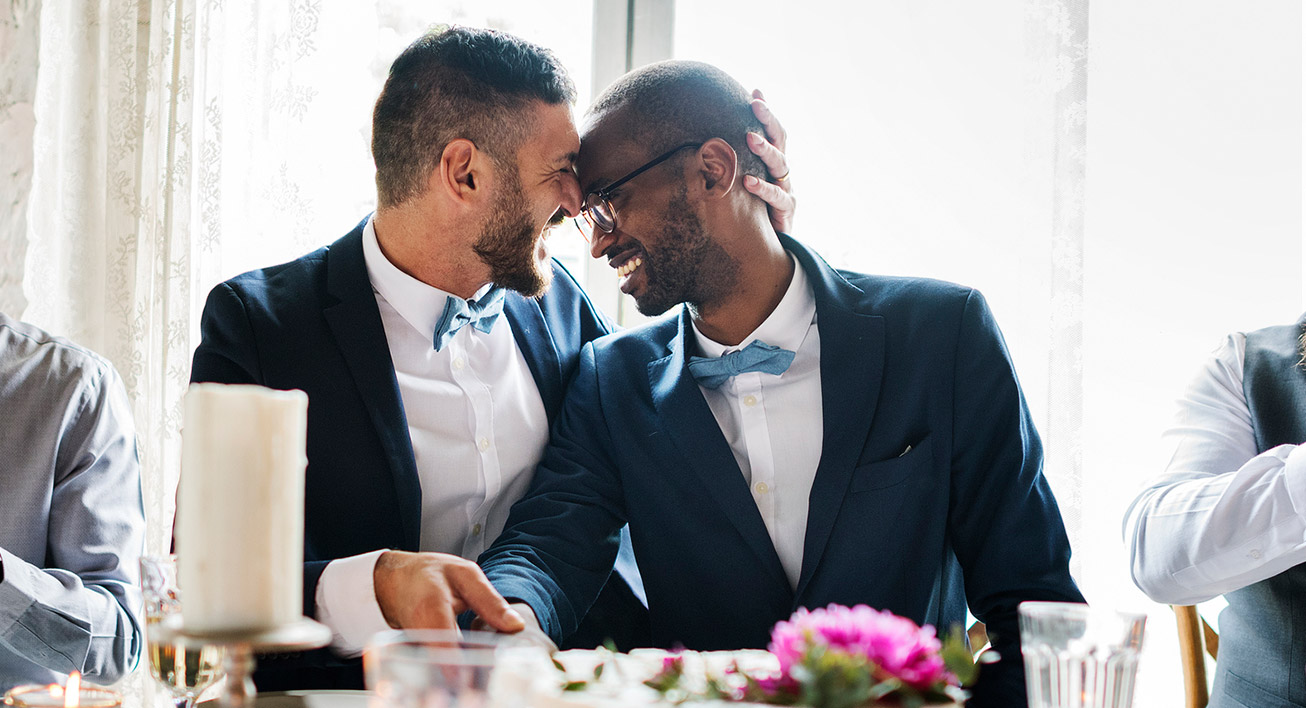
(72, 523)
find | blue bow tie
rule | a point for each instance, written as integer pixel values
(481, 314)
(711, 372)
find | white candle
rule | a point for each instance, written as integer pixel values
(240, 508)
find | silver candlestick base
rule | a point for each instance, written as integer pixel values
(239, 648)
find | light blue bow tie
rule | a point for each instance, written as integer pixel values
(481, 314)
(711, 372)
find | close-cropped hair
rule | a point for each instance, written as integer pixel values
(458, 82)
(674, 102)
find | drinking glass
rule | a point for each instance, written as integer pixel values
(184, 671)
(424, 668)
(1077, 657)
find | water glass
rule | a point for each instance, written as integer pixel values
(1077, 657)
(184, 671)
(431, 668)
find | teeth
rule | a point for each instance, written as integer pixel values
(629, 267)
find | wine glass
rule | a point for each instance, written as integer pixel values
(184, 671)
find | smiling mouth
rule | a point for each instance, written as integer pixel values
(630, 266)
(626, 261)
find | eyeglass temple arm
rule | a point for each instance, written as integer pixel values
(651, 164)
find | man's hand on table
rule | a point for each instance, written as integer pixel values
(430, 590)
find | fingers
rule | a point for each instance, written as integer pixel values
(774, 131)
(435, 611)
(774, 160)
(470, 586)
(774, 195)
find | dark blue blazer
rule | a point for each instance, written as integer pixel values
(313, 324)
(964, 518)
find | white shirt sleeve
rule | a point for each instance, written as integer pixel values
(1220, 517)
(346, 602)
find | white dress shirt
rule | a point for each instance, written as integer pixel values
(773, 423)
(478, 428)
(1220, 517)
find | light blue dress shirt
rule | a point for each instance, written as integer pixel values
(72, 524)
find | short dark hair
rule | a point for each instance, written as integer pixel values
(674, 102)
(458, 82)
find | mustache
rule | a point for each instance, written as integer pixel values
(558, 217)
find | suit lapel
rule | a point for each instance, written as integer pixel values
(531, 331)
(355, 322)
(686, 415)
(852, 363)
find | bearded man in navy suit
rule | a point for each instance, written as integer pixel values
(432, 348)
(795, 436)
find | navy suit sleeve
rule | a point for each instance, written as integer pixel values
(228, 353)
(561, 539)
(1004, 523)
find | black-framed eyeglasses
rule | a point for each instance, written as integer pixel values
(598, 210)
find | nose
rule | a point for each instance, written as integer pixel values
(571, 196)
(600, 241)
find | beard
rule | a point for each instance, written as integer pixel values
(687, 265)
(507, 243)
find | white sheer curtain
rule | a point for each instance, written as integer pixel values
(160, 146)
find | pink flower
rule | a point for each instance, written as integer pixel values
(893, 644)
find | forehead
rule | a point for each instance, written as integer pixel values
(606, 152)
(552, 137)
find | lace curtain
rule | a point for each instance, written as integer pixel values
(180, 142)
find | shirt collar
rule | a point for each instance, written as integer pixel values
(418, 303)
(785, 327)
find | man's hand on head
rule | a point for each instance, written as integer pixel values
(777, 193)
(430, 590)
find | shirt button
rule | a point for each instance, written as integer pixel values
(750, 400)
(761, 488)
(484, 444)
(1255, 554)
(458, 363)
(476, 530)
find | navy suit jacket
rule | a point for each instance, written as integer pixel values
(313, 324)
(962, 518)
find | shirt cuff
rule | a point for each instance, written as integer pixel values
(16, 591)
(346, 602)
(1294, 474)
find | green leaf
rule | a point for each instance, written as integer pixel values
(574, 685)
(610, 645)
(558, 664)
(598, 670)
(958, 659)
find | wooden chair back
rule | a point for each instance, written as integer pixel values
(1196, 640)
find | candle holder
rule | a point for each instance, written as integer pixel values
(51, 697)
(239, 648)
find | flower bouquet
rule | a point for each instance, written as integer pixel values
(835, 657)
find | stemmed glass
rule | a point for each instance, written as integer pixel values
(185, 672)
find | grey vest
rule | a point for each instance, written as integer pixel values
(1262, 662)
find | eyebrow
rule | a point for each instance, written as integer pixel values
(597, 185)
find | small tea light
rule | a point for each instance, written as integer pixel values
(74, 695)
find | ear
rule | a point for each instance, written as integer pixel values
(717, 164)
(461, 172)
